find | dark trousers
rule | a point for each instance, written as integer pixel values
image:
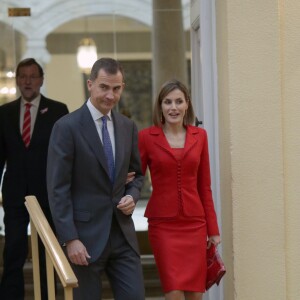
(123, 269)
(15, 253)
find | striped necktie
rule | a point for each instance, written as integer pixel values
(108, 149)
(26, 125)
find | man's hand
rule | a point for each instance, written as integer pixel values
(77, 253)
(126, 205)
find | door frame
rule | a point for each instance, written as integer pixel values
(205, 97)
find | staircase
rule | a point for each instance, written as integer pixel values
(151, 280)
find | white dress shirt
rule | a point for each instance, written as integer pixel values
(33, 112)
(96, 115)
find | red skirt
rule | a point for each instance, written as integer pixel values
(179, 248)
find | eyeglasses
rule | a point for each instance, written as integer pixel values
(31, 78)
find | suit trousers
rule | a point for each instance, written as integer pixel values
(122, 266)
(15, 253)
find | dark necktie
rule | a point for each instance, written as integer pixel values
(108, 148)
(26, 125)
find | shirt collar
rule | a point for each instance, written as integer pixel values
(96, 114)
(35, 102)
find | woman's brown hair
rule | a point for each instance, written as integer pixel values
(168, 87)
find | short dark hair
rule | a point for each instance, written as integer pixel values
(166, 89)
(109, 65)
(29, 62)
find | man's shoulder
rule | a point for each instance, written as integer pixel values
(52, 102)
(9, 107)
(151, 130)
(9, 104)
(53, 108)
(191, 129)
(121, 117)
(73, 116)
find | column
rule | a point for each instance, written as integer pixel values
(37, 49)
(168, 43)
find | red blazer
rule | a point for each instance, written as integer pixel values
(172, 178)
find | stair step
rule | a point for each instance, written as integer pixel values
(151, 281)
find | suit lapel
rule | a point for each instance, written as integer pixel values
(14, 120)
(190, 139)
(120, 133)
(38, 121)
(90, 134)
(161, 141)
(16, 117)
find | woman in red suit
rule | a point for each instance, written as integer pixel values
(180, 211)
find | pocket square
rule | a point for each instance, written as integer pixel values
(215, 267)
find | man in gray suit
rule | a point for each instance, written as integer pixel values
(91, 203)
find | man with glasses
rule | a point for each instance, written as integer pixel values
(25, 128)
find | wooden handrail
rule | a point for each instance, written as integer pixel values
(52, 248)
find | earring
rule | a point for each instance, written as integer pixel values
(185, 118)
(162, 119)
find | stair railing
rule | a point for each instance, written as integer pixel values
(55, 257)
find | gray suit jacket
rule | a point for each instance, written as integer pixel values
(81, 196)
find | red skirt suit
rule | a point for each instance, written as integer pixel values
(180, 210)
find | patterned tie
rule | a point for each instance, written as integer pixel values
(108, 148)
(26, 125)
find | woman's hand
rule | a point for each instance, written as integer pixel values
(214, 239)
(130, 177)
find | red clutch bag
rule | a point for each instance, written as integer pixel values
(215, 267)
